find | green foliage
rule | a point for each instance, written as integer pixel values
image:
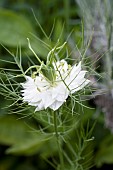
(15, 30)
(105, 151)
(22, 139)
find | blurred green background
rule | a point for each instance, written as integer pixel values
(20, 19)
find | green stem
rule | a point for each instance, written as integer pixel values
(67, 11)
(58, 141)
(29, 45)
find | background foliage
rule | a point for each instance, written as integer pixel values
(20, 147)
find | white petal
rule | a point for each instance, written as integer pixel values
(75, 70)
(36, 98)
(56, 105)
(30, 94)
(47, 98)
(32, 104)
(79, 86)
(76, 79)
(40, 106)
(41, 82)
(60, 92)
(29, 82)
(61, 68)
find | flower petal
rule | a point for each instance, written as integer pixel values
(75, 70)
(47, 98)
(56, 105)
(40, 106)
(60, 92)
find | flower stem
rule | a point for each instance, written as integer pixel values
(58, 141)
(29, 45)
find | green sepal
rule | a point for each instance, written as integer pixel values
(49, 72)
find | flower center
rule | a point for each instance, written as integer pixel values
(51, 76)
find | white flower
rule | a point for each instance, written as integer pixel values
(43, 93)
